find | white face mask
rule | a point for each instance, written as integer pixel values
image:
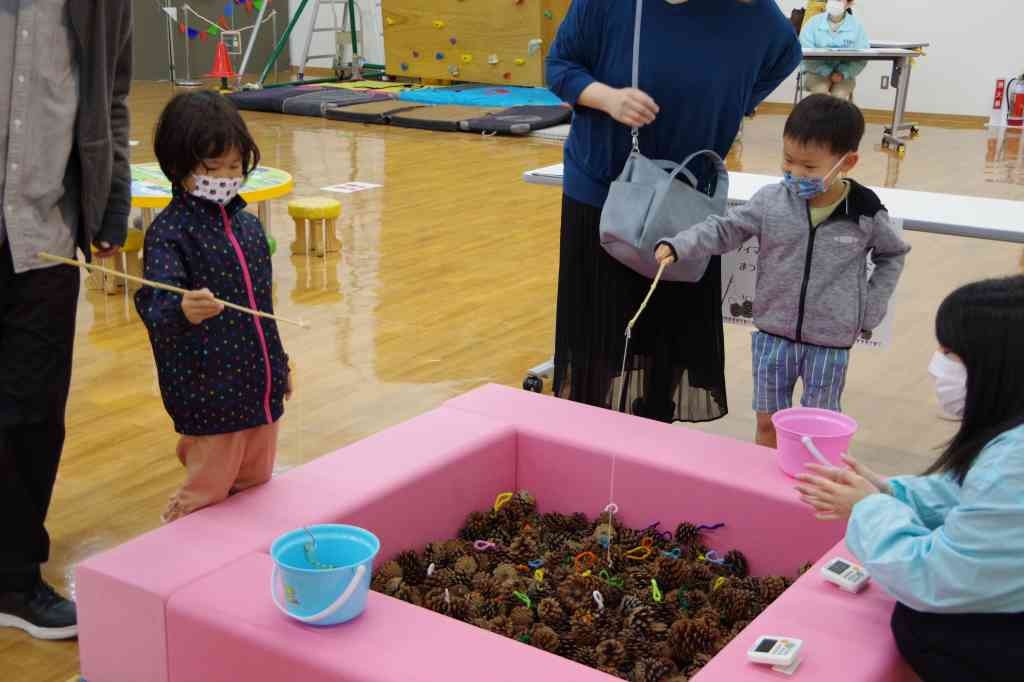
(950, 384)
(836, 8)
(217, 190)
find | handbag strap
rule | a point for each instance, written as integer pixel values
(636, 64)
(722, 186)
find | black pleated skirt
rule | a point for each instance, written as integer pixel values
(675, 367)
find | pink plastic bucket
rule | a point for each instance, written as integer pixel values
(830, 431)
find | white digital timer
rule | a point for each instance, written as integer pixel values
(846, 574)
(782, 653)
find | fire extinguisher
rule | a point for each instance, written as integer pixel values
(1015, 102)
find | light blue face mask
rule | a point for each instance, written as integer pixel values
(808, 188)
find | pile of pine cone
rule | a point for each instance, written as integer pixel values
(661, 615)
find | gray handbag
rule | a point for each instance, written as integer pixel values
(650, 201)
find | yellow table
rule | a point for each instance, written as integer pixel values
(151, 190)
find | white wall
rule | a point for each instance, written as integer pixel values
(972, 44)
(323, 43)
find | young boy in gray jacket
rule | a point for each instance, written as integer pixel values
(813, 295)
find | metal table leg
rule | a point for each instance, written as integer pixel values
(892, 139)
(535, 376)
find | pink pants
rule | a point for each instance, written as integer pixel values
(221, 465)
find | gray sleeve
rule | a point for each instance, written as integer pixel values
(720, 234)
(888, 251)
(114, 226)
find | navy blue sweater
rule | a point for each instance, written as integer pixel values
(230, 372)
(706, 63)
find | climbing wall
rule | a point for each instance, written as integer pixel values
(482, 41)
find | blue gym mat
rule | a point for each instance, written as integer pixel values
(483, 96)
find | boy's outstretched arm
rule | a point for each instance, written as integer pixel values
(718, 234)
(888, 251)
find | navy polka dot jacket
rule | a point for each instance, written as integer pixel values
(230, 372)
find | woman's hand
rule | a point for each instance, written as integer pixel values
(665, 254)
(631, 107)
(200, 306)
(833, 492)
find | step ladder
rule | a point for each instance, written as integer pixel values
(341, 32)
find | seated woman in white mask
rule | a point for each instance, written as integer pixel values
(837, 28)
(949, 545)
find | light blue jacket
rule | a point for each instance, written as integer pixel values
(818, 35)
(941, 547)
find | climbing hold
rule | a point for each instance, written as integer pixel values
(520, 61)
(467, 59)
(453, 70)
(439, 24)
(404, 66)
(548, 14)
(508, 75)
(534, 46)
(415, 54)
(390, 21)
(453, 40)
(439, 56)
(493, 59)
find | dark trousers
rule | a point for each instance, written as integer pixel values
(980, 647)
(37, 328)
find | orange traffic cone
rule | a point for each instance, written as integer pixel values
(222, 66)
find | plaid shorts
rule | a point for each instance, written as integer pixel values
(778, 363)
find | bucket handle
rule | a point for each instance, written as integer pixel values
(350, 589)
(813, 449)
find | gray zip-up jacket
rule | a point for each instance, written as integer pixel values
(812, 282)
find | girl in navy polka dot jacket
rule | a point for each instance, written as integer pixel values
(223, 374)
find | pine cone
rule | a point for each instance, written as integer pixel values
(437, 600)
(699, 661)
(687, 534)
(653, 669)
(601, 532)
(517, 511)
(708, 613)
(543, 637)
(610, 653)
(643, 622)
(581, 627)
(738, 627)
(609, 670)
(735, 604)
(691, 636)
(630, 602)
(697, 599)
(694, 575)
(579, 653)
(521, 617)
(577, 591)
(399, 589)
(441, 578)
(478, 527)
(413, 568)
(737, 563)
(551, 613)
(505, 572)
(670, 572)
(466, 566)
(392, 586)
(772, 587)
(524, 548)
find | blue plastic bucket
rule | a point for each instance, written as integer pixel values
(326, 584)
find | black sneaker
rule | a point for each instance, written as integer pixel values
(40, 612)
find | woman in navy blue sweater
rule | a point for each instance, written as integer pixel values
(703, 65)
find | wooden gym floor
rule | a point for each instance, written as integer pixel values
(447, 281)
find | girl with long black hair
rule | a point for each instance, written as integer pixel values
(949, 545)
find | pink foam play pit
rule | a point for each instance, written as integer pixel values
(153, 610)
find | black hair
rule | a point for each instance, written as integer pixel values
(826, 121)
(983, 323)
(200, 125)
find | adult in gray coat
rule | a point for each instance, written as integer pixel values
(65, 185)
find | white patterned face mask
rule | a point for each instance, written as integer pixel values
(217, 190)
